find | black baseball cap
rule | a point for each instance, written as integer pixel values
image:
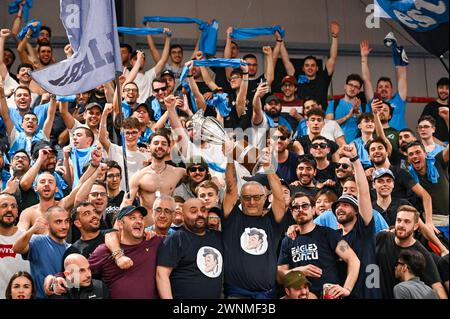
(272, 98)
(94, 104)
(130, 209)
(169, 73)
(39, 145)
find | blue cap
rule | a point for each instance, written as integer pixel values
(381, 172)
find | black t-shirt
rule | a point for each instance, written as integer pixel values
(87, 247)
(317, 88)
(387, 253)
(57, 128)
(196, 262)
(362, 240)
(112, 208)
(390, 213)
(233, 120)
(443, 268)
(306, 144)
(314, 248)
(403, 183)
(250, 247)
(287, 170)
(221, 78)
(432, 109)
(329, 172)
(253, 85)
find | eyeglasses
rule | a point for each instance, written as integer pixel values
(233, 78)
(96, 194)
(163, 89)
(304, 206)
(131, 132)
(424, 127)
(161, 211)
(130, 90)
(200, 169)
(316, 146)
(343, 165)
(399, 263)
(112, 176)
(275, 138)
(248, 198)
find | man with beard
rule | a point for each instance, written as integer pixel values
(315, 120)
(316, 252)
(197, 171)
(358, 226)
(137, 282)
(135, 157)
(325, 175)
(10, 262)
(159, 178)
(45, 252)
(384, 111)
(44, 52)
(433, 108)
(163, 213)
(345, 111)
(385, 88)
(405, 137)
(182, 272)
(432, 174)
(274, 117)
(405, 187)
(306, 171)
(426, 128)
(389, 245)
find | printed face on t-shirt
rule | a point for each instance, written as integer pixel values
(254, 241)
(209, 261)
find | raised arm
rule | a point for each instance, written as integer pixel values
(269, 72)
(4, 111)
(231, 191)
(334, 32)
(288, 66)
(175, 123)
(368, 86)
(137, 66)
(365, 205)
(227, 51)
(22, 49)
(165, 53)
(26, 182)
(258, 113)
(47, 128)
(151, 45)
(103, 132)
(4, 33)
(68, 119)
(91, 173)
(15, 29)
(241, 98)
(402, 80)
(278, 205)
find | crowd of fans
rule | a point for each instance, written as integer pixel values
(340, 200)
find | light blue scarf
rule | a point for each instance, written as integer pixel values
(13, 7)
(218, 63)
(140, 31)
(156, 107)
(281, 121)
(68, 98)
(36, 29)
(79, 157)
(208, 39)
(302, 79)
(248, 33)
(220, 102)
(432, 172)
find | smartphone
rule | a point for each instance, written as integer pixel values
(377, 96)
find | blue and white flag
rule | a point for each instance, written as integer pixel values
(425, 20)
(92, 31)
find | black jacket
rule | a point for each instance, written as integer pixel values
(97, 290)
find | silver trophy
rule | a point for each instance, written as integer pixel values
(243, 152)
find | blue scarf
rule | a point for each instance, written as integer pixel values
(248, 33)
(303, 79)
(79, 157)
(208, 39)
(140, 31)
(215, 167)
(156, 107)
(36, 29)
(281, 121)
(146, 135)
(13, 7)
(220, 102)
(68, 98)
(186, 86)
(22, 143)
(432, 172)
(5, 177)
(218, 63)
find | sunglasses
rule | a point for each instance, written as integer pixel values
(200, 169)
(283, 138)
(304, 206)
(316, 146)
(343, 165)
(160, 89)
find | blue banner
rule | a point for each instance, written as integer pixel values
(425, 20)
(92, 31)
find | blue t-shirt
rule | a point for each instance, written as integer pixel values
(169, 232)
(328, 218)
(362, 153)
(302, 128)
(350, 127)
(45, 256)
(314, 248)
(398, 120)
(126, 109)
(40, 111)
(60, 182)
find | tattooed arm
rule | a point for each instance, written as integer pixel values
(346, 253)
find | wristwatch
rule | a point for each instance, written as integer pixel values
(354, 159)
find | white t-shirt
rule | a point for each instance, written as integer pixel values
(135, 161)
(144, 83)
(10, 262)
(331, 130)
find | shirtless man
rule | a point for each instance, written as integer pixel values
(46, 188)
(158, 178)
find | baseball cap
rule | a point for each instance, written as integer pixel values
(130, 209)
(382, 172)
(345, 198)
(289, 79)
(39, 145)
(94, 104)
(272, 98)
(169, 73)
(295, 279)
(143, 105)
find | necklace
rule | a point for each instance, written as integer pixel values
(158, 191)
(161, 171)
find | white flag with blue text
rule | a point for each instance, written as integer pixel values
(92, 31)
